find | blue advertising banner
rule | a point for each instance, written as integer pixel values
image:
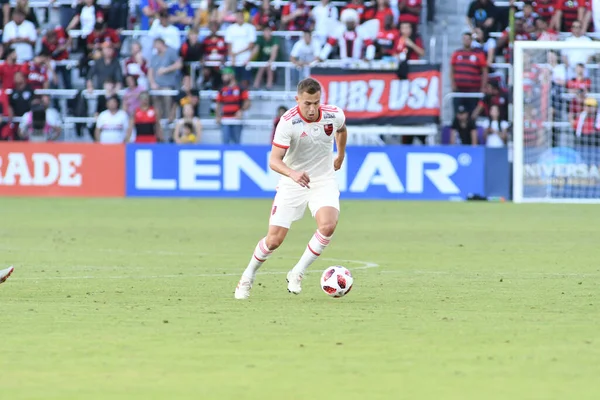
(398, 172)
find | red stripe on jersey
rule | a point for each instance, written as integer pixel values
(329, 109)
(258, 259)
(290, 113)
(314, 252)
(280, 146)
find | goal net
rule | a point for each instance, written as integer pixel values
(556, 122)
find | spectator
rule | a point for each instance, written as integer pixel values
(105, 68)
(305, 51)
(266, 16)
(494, 96)
(350, 45)
(579, 81)
(188, 95)
(591, 17)
(206, 12)
(5, 12)
(150, 10)
(110, 90)
(495, 129)
(101, 35)
(576, 106)
(21, 35)
(227, 13)
(112, 124)
(504, 41)
(577, 55)
(214, 48)
(137, 66)
(410, 11)
(545, 9)
(543, 32)
(280, 111)
(190, 52)
(21, 96)
(468, 72)
(9, 68)
(162, 29)
(386, 40)
(240, 38)
(295, 16)
(37, 72)
(325, 16)
(29, 12)
(486, 43)
(528, 16)
(131, 97)
(117, 14)
(266, 50)
(382, 10)
(409, 45)
(556, 75)
(57, 43)
(41, 123)
(6, 114)
(188, 129)
(361, 9)
(566, 14)
(464, 130)
(482, 13)
(181, 14)
(164, 75)
(85, 17)
(587, 124)
(232, 100)
(146, 122)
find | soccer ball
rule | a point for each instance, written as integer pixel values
(336, 281)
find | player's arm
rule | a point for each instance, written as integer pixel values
(341, 137)
(276, 164)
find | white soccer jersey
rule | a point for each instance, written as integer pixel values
(113, 127)
(309, 144)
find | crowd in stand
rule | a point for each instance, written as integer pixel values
(489, 40)
(185, 49)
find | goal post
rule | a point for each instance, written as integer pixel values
(556, 127)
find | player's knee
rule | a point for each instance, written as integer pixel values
(327, 228)
(274, 241)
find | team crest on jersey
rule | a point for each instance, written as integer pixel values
(328, 116)
(328, 129)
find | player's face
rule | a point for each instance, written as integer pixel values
(309, 105)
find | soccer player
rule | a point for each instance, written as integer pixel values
(5, 273)
(303, 154)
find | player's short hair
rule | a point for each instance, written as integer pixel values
(309, 85)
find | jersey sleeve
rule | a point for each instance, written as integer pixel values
(340, 119)
(283, 134)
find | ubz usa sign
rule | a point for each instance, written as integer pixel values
(368, 173)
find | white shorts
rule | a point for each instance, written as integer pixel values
(290, 201)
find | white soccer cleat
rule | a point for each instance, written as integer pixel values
(5, 273)
(242, 291)
(294, 282)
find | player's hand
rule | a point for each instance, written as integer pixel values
(301, 178)
(337, 163)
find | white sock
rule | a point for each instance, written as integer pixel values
(315, 247)
(261, 254)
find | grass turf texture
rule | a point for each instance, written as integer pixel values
(133, 299)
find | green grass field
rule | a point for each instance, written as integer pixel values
(133, 299)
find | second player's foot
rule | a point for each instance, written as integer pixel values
(294, 282)
(5, 273)
(242, 291)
